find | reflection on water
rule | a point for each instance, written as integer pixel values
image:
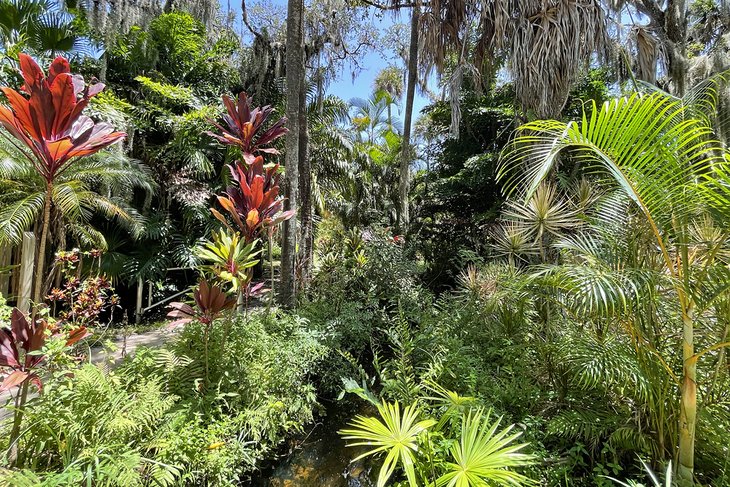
(321, 459)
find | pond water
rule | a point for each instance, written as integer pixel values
(319, 459)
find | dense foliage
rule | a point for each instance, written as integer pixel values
(469, 296)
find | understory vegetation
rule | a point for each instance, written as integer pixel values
(524, 280)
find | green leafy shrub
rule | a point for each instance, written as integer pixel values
(95, 427)
(154, 420)
(369, 265)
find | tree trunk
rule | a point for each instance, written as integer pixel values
(405, 160)
(675, 27)
(688, 402)
(41, 262)
(294, 72)
(305, 186)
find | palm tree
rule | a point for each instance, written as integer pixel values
(39, 26)
(404, 182)
(331, 150)
(651, 148)
(480, 456)
(295, 73)
(389, 83)
(94, 189)
(371, 117)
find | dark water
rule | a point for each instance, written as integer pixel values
(320, 459)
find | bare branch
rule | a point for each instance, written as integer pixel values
(244, 16)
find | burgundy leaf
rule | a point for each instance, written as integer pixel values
(8, 350)
(49, 122)
(14, 379)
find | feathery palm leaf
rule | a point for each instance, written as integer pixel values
(645, 143)
(667, 162)
(97, 185)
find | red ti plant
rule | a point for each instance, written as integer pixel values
(20, 347)
(245, 127)
(49, 128)
(28, 337)
(253, 201)
(210, 301)
(25, 337)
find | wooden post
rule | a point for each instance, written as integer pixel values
(27, 264)
(5, 254)
(140, 292)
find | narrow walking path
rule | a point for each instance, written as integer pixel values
(127, 346)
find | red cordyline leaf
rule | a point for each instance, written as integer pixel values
(256, 290)
(14, 379)
(76, 335)
(22, 335)
(210, 301)
(28, 337)
(253, 201)
(244, 127)
(49, 123)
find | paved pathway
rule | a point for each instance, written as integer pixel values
(153, 338)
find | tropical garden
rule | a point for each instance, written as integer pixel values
(360, 243)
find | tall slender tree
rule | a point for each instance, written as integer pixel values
(306, 247)
(406, 156)
(295, 71)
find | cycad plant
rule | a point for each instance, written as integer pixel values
(667, 163)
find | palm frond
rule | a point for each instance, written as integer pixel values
(395, 434)
(646, 144)
(485, 455)
(18, 216)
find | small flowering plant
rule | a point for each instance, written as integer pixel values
(84, 300)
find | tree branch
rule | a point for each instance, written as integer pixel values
(244, 16)
(380, 6)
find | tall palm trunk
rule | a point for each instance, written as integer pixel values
(294, 73)
(41, 262)
(305, 185)
(405, 160)
(688, 400)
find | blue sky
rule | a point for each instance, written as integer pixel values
(371, 63)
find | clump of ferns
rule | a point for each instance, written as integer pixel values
(102, 425)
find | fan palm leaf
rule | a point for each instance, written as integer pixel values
(484, 455)
(396, 434)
